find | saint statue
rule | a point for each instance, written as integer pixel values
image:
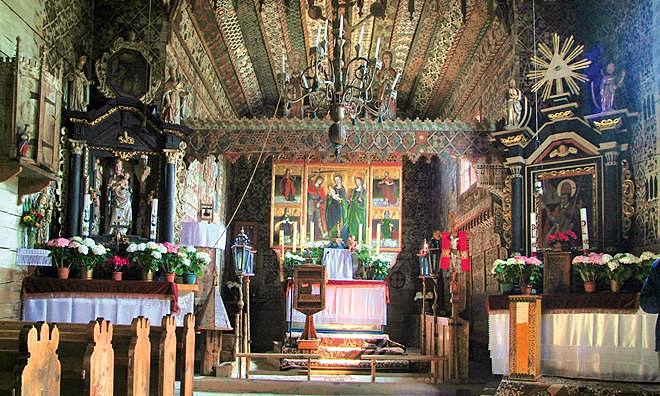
(78, 86)
(357, 208)
(336, 206)
(96, 197)
(45, 206)
(513, 105)
(173, 99)
(608, 86)
(120, 196)
(142, 171)
(285, 225)
(386, 89)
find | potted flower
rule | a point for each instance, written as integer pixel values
(590, 268)
(59, 253)
(562, 239)
(88, 254)
(314, 251)
(174, 259)
(619, 269)
(507, 273)
(378, 267)
(117, 264)
(530, 274)
(31, 220)
(291, 261)
(147, 257)
(646, 260)
(197, 261)
(364, 259)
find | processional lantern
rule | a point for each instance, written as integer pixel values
(309, 282)
(243, 255)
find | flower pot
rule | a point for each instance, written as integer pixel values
(88, 274)
(116, 275)
(506, 287)
(590, 286)
(63, 273)
(189, 278)
(148, 276)
(526, 289)
(615, 286)
(169, 277)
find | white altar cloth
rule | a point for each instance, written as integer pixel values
(118, 310)
(349, 302)
(338, 263)
(605, 346)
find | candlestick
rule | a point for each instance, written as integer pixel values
(532, 233)
(311, 232)
(378, 238)
(396, 79)
(341, 26)
(282, 242)
(87, 202)
(584, 223)
(153, 223)
(377, 47)
(360, 234)
(295, 236)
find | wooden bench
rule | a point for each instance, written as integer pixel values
(249, 356)
(417, 358)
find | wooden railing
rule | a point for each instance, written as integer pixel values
(451, 340)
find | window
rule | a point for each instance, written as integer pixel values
(468, 175)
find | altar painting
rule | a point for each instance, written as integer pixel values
(285, 219)
(287, 183)
(337, 201)
(390, 228)
(386, 187)
(565, 192)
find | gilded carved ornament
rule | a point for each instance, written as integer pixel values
(560, 115)
(124, 138)
(77, 147)
(627, 198)
(608, 123)
(513, 140)
(562, 151)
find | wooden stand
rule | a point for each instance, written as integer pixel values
(309, 298)
(525, 337)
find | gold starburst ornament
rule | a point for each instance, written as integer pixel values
(558, 66)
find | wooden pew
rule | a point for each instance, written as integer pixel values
(21, 370)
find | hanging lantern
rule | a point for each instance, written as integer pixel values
(243, 255)
(424, 260)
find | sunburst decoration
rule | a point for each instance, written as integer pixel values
(556, 66)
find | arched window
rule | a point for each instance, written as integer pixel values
(468, 175)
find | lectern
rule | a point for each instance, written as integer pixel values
(525, 337)
(309, 298)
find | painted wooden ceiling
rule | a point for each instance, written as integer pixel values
(430, 42)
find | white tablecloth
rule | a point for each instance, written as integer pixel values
(118, 310)
(203, 234)
(354, 303)
(338, 263)
(618, 347)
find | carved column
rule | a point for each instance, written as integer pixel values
(73, 194)
(168, 196)
(611, 202)
(516, 208)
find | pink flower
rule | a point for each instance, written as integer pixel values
(171, 248)
(59, 242)
(533, 261)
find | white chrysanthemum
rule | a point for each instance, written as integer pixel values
(131, 248)
(190, 248)
(99, 250)
(141, 247)
(613, 265)
(157, 255)
(162, 249)
(606, 258)
(89, 242)
(152, 245)
(628, 259)
(77, 239)
(82, 249)
(186, 262)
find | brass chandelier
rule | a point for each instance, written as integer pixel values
(342, 84)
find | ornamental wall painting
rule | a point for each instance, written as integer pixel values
(336, 200)
(565, 192)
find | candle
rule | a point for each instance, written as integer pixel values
(283, 63)
(378, 238)
(282, 242)
(396, 79)
(87, 202)
(154, 219)
(311, 232)
(295, 236)
(585, 229)
(377, 47)
(360, 234)
(325, 31)
(302, 236)
(532, 233)
(341, 25)
(361, 36)
(318, 37)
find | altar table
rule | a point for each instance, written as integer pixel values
(354, 302)
(81, 301)
(600, 336)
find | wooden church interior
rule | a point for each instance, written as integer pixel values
(430, 197)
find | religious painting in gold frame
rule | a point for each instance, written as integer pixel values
(565, 192)
(336, 200)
